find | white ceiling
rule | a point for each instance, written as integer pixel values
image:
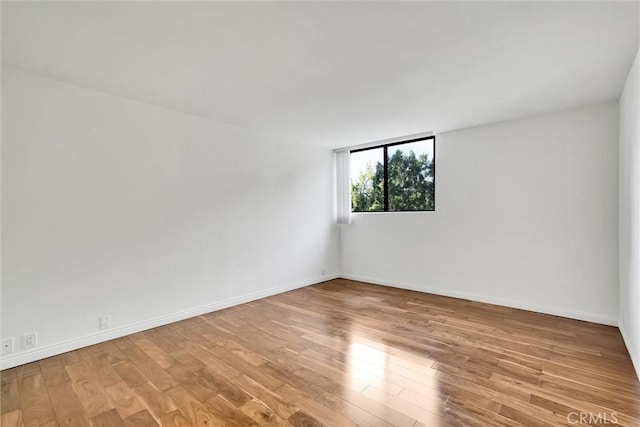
(334, 74)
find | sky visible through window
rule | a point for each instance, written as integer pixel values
(360, 159)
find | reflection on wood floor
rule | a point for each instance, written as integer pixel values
(341, 353)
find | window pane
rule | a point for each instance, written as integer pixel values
(367, 181)
(411, 172)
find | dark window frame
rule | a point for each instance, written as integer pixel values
(385, 166)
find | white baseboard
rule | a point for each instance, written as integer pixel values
(630, 348)
(12, 360)
(571, 314)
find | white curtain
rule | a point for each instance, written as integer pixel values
(343, 179)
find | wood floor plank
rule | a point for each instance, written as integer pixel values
(167, 340)
(141, 419)
(221, 385)
(192, 382)
(422, 411)
(12, 419)
(108, 418)
(242, 352)
(379, 409)
(149, 368)
(55, 374)
(130, 374)
(90, 392)
(67, 407)
(310, 405)
(34, 402)
(341, 353)
(156, 353)
(9, 398)
(280, 406)
(156, 402)
(187, 359)
(124, 399)
(175, 419)
(301, 419)
(28, 369)
(193, 410)
(103, 370)
(472, 415)
(261, 374)
(261, 414)
(211, 361)
(113, 354)
(350, 411)
(230, 414)
(523, 418)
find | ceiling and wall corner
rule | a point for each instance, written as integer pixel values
(333, 73)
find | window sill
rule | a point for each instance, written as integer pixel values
(391, 212)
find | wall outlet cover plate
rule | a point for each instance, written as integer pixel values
(29, 340)
(6, 346)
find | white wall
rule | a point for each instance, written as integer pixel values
(526, 216)
(116, 207)
(629, 214)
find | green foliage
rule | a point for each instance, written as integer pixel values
(367, 192)
(411, 184)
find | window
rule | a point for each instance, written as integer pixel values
(394, 177)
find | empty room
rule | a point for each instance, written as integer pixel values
(323, 213)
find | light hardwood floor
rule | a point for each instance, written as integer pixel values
(340, 353)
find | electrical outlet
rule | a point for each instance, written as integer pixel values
(6, 345)
(29, 340)
(105, 321)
